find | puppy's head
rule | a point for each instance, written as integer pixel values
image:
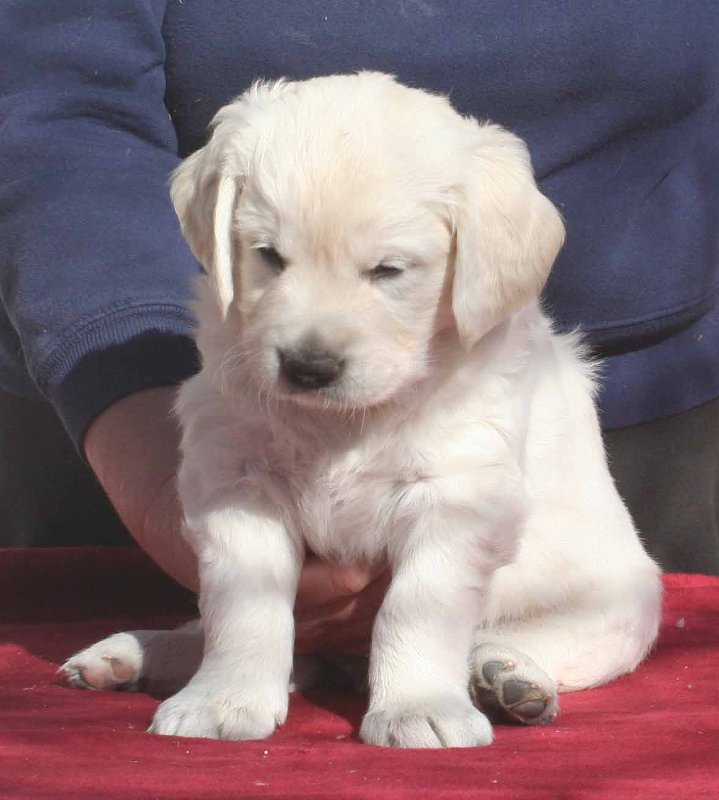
(345, 222)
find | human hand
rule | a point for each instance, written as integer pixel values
(133, 448)
(336, 606)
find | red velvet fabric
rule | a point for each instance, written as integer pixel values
(653, 734)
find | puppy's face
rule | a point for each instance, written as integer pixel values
(339, 221)
(340, 275)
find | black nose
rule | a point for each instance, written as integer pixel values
(309, 369)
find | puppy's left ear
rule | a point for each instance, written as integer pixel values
(507, 233)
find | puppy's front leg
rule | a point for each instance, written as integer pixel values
(249, 567)
(423, 633)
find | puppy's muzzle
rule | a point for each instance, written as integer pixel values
(309, 369)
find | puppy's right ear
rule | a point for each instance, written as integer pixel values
(204, 193)
(206, 186)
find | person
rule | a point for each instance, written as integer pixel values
(99, 102)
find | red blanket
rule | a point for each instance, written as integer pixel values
(653, 734)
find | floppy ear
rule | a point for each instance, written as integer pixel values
(507, 234)
(205, 187)
(204, 196)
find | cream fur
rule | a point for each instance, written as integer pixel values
(460, 442)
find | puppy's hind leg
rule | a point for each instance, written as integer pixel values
(160, 661)
(601, 635)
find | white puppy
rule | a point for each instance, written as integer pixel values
(379, 383)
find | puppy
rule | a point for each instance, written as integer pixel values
(380, 383)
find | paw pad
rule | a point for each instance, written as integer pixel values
(512, 688)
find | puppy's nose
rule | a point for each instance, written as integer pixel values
(310, 369)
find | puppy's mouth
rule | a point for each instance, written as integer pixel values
(315, 398)
(310, 376)
(322, 380)
(332, 400)
(332, 394)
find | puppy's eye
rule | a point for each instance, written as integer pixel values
(385, 271)
(272, 258)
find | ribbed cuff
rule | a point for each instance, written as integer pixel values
(138, 349)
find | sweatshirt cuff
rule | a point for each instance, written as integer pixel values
(141, 348)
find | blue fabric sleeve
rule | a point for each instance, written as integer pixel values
(94, 274)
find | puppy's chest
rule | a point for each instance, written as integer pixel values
(345, 504)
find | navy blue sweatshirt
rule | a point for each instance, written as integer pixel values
(618, 102)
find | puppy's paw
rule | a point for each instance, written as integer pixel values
(113, 663)
(443, 721)
(508, 685)
(211, 713)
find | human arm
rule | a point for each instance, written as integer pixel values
(94, 274)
